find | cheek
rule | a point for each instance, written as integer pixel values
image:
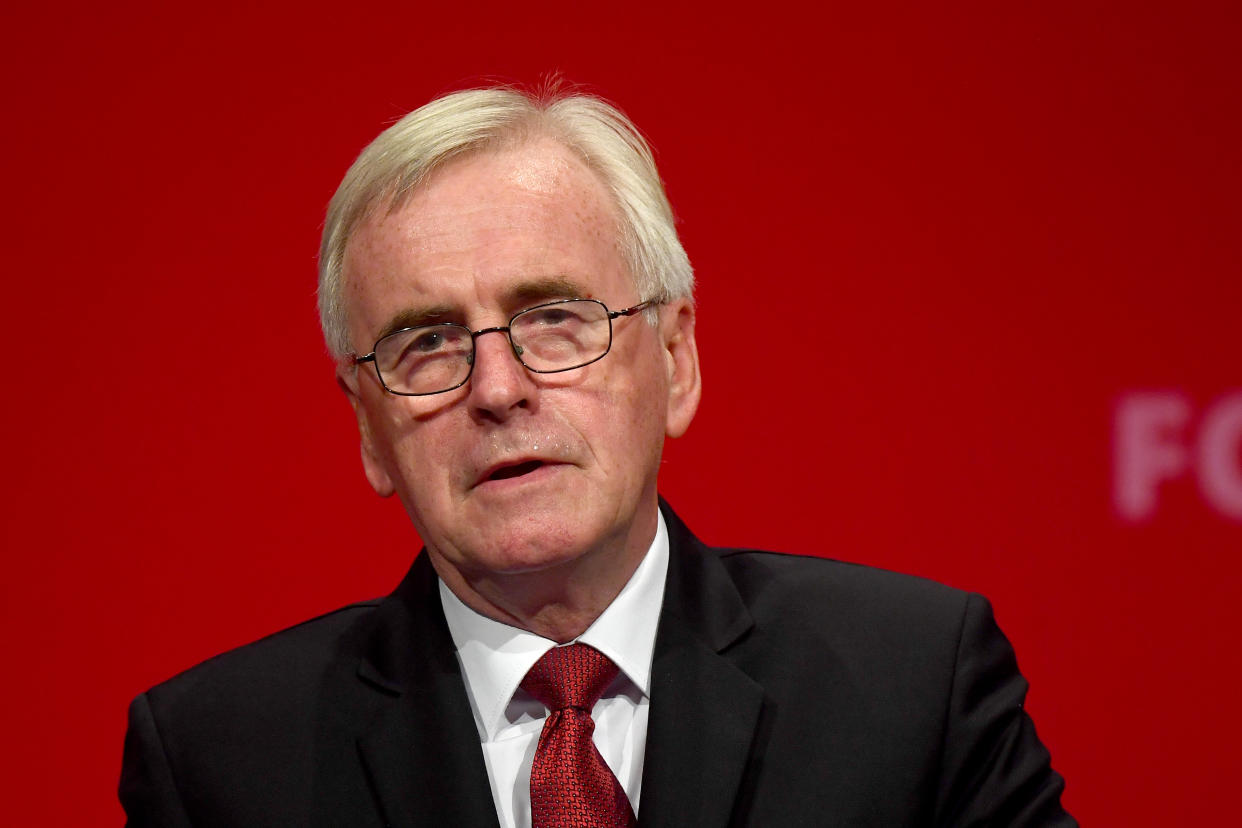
(414, 452)
(629, 422)
(646, 393)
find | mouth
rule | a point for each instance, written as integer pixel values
(511, 470)
(516, 470)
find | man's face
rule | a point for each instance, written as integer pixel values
(515, 472)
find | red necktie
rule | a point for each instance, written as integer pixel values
(570, 784)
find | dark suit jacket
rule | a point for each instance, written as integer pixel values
(785, 691)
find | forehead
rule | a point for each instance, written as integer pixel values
(478, 230)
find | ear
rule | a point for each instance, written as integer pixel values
(682, 361)
(349, 382)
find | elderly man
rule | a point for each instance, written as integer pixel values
(511, 313)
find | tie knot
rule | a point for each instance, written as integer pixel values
(572, 676)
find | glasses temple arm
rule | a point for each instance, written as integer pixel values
(633, 310)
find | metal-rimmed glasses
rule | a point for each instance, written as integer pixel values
(546, 339)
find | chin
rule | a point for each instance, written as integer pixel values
(537, 537)
(520, 551)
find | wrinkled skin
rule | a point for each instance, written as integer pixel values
(489, 235)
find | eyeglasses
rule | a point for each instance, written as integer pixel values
(547, 339)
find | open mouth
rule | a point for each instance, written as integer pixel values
(516, 470)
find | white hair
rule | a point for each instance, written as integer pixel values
(402, 156)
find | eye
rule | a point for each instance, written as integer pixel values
(434, 339)
(427, 342)
(553, 316)
(549, 316)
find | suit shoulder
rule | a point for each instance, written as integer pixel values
(784, 584)
(287, 659)
(817, 572)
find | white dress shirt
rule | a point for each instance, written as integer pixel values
(495, 658)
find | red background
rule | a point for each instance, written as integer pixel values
(979, 224)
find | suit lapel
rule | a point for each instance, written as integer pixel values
(705, 712)
(421, 750)
(419, 747)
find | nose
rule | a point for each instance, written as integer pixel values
(499, 384)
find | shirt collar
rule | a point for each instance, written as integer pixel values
(496, 657)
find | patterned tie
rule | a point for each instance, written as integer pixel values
(570, 785)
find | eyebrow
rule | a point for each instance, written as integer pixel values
(535, 291)
(514, 299)
(414, 317)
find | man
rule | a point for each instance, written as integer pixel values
(511, 313)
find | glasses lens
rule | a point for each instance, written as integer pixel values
(424, 360)
(561, 335)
